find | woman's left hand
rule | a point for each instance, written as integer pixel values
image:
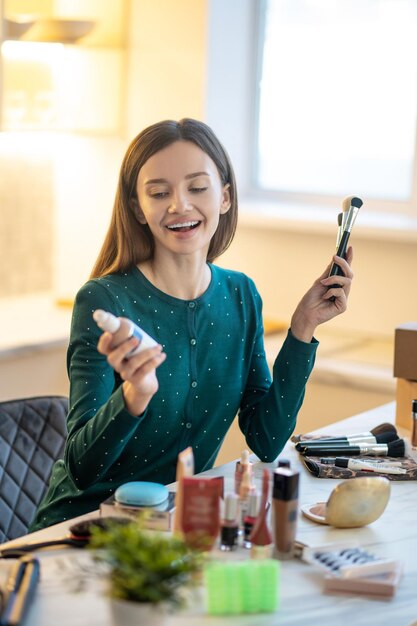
(325, 299)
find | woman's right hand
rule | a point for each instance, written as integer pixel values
(138, 372)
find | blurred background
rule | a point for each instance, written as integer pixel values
(314, 100)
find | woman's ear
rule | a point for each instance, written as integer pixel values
(226, 201)
(134, 205)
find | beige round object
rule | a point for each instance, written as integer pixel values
(353, 503)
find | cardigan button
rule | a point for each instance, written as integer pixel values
(194, 383)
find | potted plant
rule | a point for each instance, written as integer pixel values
(148, 571)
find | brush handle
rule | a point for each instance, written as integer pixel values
(337, 441)
(335, 270)
(30, 547)
(339, 450)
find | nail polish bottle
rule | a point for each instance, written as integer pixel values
(230, 524)
(283, 463)
(250, 517)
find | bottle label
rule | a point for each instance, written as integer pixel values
(137, 333)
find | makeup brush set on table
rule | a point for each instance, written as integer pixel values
(373, 459)
(380, 451)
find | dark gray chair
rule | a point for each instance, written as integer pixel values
(32, 437)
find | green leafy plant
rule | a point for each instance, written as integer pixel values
(146, 566)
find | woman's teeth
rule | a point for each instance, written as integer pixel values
(183, 225)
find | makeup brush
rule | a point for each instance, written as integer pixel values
(377, 430)
(78, 537)
(394, 448)
(381, 428)
(384, 437)
(351, 206)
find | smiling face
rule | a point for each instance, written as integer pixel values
(181, 197)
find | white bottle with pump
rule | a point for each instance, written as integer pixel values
(122, 329)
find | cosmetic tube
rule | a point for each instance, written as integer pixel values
(387, 463)
(363, 466)
(285, 511)
(123, 329)
(246, 488)
(414, 425)
(230, 524)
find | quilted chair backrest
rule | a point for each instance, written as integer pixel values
(32, 437)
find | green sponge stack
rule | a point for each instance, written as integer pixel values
(242, 587)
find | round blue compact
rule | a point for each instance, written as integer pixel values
(140, 493)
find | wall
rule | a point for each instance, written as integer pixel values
(34, 373)
(167, 61)
(26, 218)
(285, 263)
(165, 79)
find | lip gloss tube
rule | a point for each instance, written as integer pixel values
(285, 511)
(250, 517)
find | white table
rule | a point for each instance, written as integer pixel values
(302, 601)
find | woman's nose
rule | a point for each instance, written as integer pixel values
(179, 204)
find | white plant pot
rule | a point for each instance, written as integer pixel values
(125, 613)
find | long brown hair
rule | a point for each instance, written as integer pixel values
(128, 242)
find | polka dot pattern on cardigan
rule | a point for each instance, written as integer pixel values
(215, 369)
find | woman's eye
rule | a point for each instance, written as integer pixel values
(159, 194)
(198, 189)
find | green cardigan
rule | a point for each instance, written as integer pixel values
(215, 369)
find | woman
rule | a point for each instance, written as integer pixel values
(175, 212)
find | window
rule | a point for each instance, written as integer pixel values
(337, 99)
